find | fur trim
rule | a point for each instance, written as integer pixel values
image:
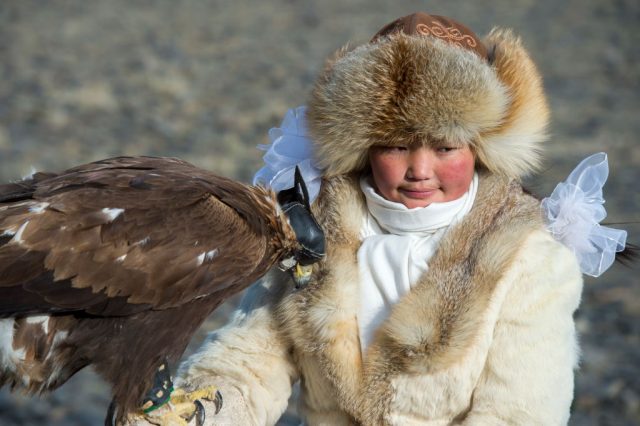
(514, 148)
(432, 327)
(321, 319)
(404, 89)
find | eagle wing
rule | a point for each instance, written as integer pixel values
(126, 234)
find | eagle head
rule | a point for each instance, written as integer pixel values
(295, 205)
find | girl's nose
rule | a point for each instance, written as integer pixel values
(421, 163)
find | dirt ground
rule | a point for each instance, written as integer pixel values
(204, 80)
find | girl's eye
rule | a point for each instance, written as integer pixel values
(398, 148)
(445, 149)
(391, 149)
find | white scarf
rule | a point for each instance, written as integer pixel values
(397, 244)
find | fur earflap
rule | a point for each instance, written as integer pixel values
(406, 89)
(514, 148)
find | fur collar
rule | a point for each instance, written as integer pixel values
(432, 326)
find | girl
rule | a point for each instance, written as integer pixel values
(443, 298)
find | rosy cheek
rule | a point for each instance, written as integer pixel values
(461, 167)
(389, 173)
(388, 169)
(456, 174)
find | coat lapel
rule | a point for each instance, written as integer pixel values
(321, 319)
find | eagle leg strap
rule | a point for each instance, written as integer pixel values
(185, 406)
(161, 391)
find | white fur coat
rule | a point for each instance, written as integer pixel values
(486, 337)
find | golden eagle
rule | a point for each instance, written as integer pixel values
(116, 264)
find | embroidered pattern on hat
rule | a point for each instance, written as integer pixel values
(451, 34)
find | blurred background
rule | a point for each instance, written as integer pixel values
(204, 80)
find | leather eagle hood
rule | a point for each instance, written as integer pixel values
(410, 86)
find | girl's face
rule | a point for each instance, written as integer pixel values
(419, 175)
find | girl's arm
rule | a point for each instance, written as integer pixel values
(528, 374)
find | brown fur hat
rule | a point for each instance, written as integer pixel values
(408, 86)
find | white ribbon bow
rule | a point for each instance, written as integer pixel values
(574, 211)
(290, 147)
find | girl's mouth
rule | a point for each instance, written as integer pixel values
(418, 193)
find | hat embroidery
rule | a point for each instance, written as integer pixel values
(451, 34)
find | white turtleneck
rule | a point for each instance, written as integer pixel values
(397, 244)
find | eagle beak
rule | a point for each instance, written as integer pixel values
(302, 274)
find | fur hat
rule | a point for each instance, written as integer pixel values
(425, 78)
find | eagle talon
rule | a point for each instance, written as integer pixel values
(218, 401)
(184, 407)
(199, 413)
